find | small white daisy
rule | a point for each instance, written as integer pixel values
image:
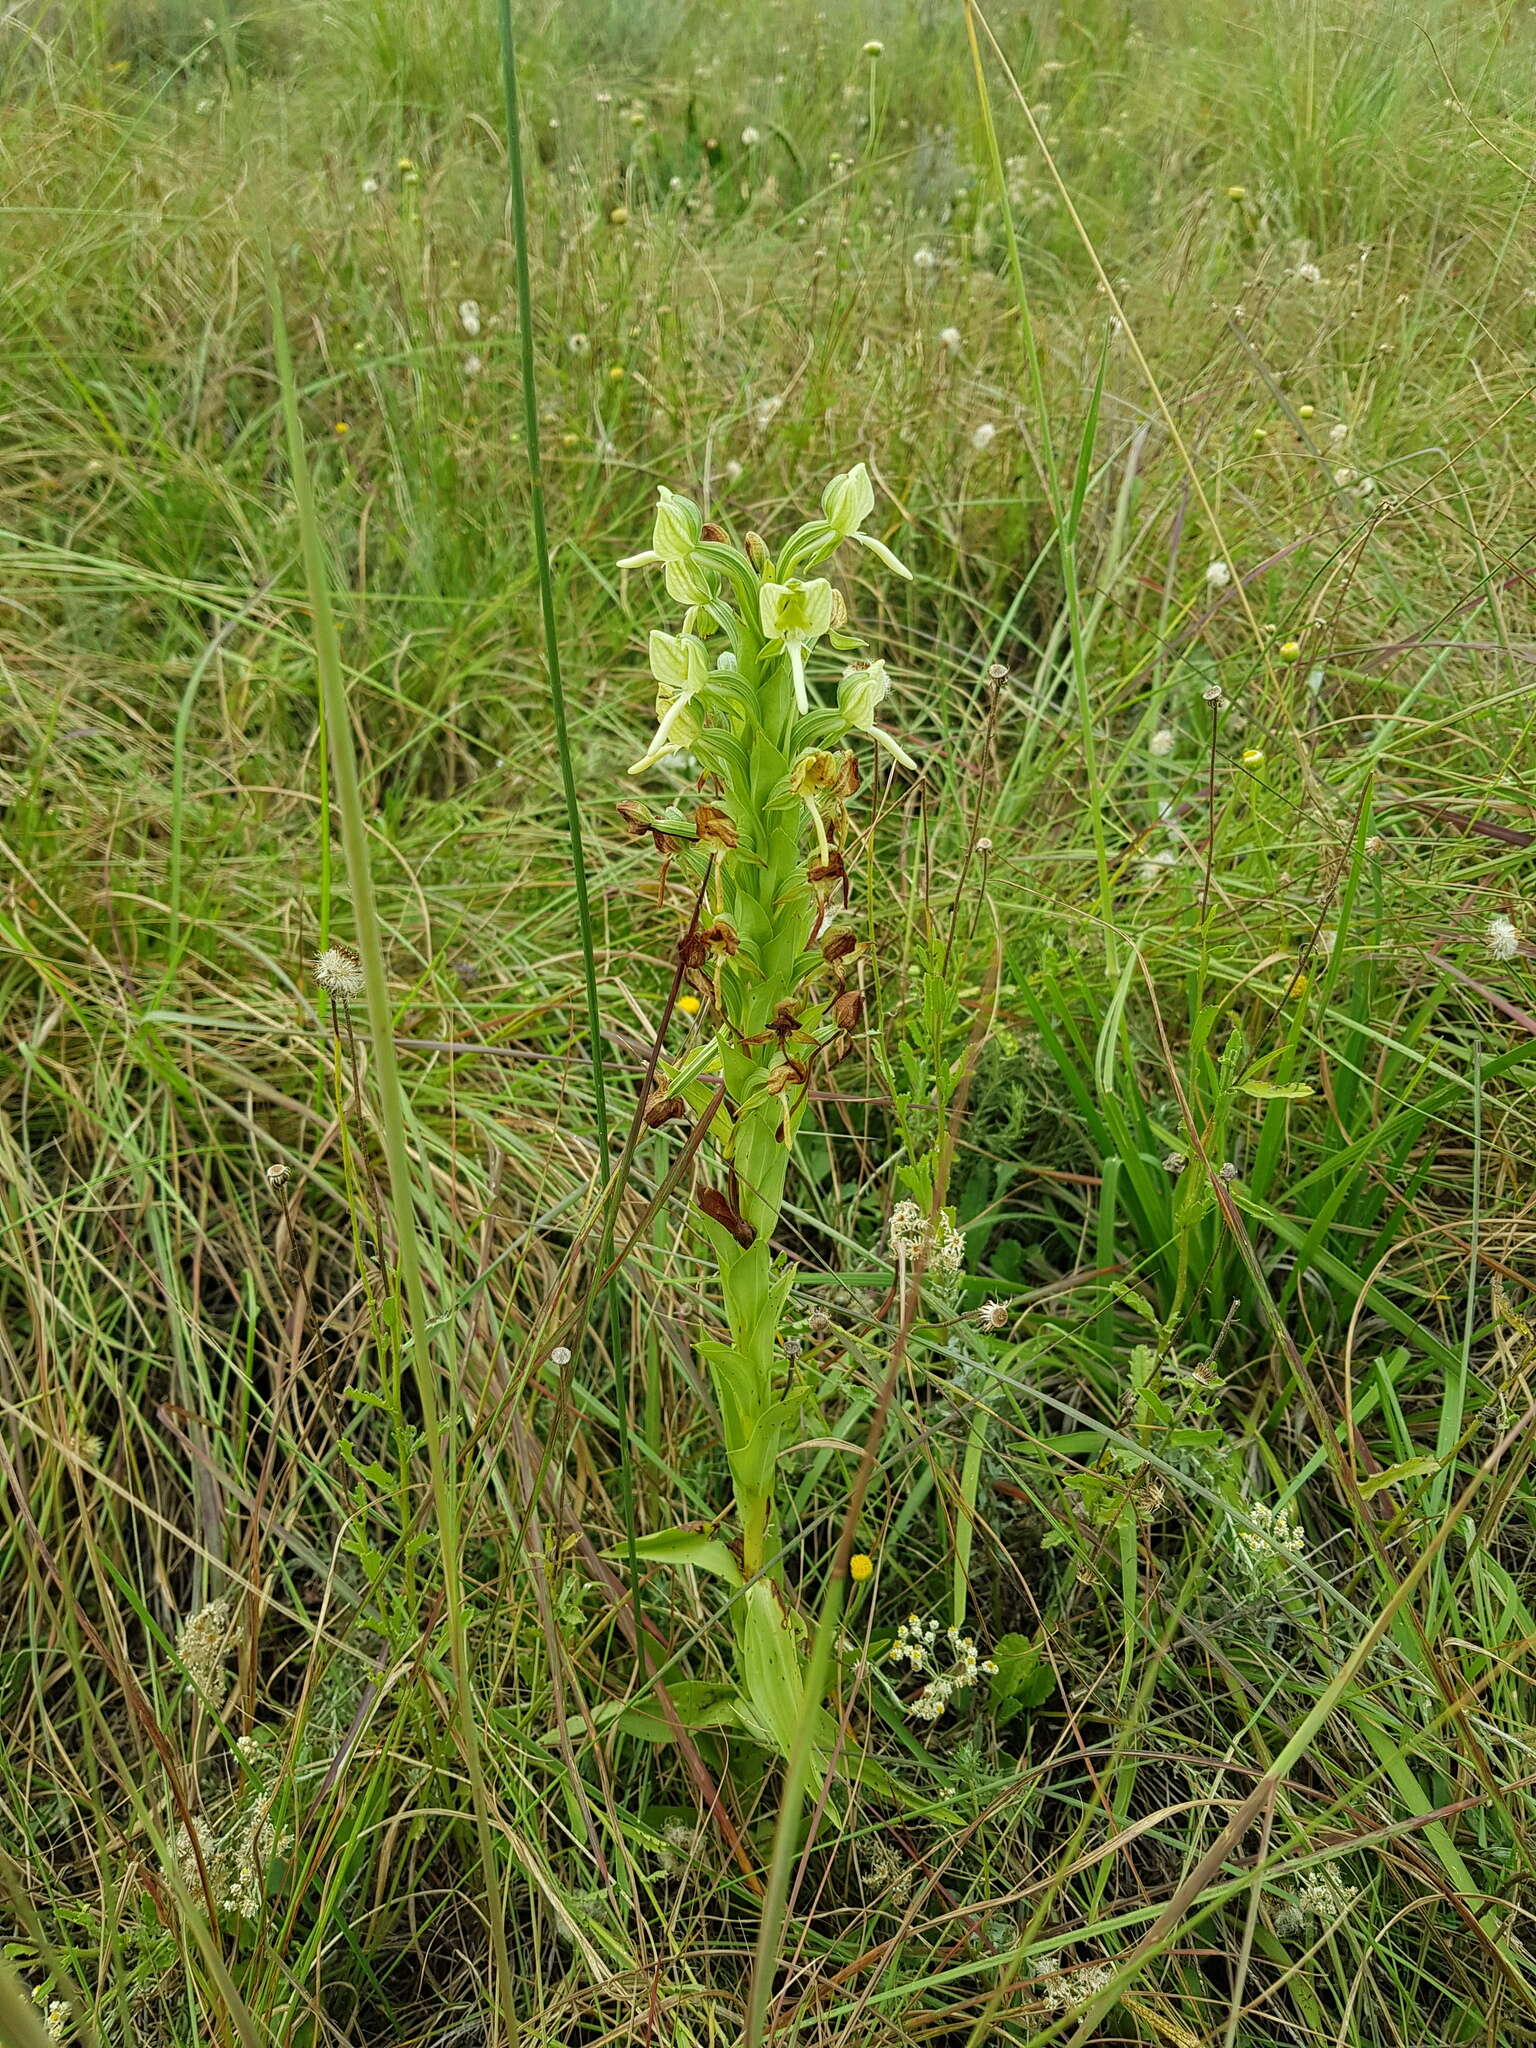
(983, 436)
(949, 338)
(1161, 742)
(1217, 576)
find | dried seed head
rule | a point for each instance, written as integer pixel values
(993, 1315)
(277, 1176)
(339, 972)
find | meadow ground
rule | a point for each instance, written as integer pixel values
(345, 1397)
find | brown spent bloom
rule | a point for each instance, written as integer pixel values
(847, 1009)
(714, 827)
(663, 1109)
(719, 1209)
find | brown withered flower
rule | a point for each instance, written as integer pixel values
(663, 1109)
(785, 1022)
(847, 1009)
(720, 1210)
(714, 827)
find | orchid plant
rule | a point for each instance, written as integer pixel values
(764, 834)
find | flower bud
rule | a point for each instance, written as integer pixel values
(757, 552)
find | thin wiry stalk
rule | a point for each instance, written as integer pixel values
(437, 1426)
(535, 463)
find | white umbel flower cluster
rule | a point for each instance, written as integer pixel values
(911, 1235)
(917, 1645)
(1069, 1990)
(1322, 1895)
(204, 1640)
(1274, 1545)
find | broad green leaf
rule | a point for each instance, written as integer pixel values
(1277, 1091)
(700, 1702)
(691, 1547)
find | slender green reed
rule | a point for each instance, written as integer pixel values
(438, 1418)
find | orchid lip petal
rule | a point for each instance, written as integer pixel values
(878, 547)
(642, 561)
(893, 747)
(797, 668)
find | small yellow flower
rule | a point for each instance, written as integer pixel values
(616, 373)
(1298, 988)
(618, 215)
(1237, 191)
(341, 428)
(860, 1567)
(570, 440)
(1253, 757)
(689, 1005)
(1261, 433)
(1290, 650)
(1305, 412)
(405, 164)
